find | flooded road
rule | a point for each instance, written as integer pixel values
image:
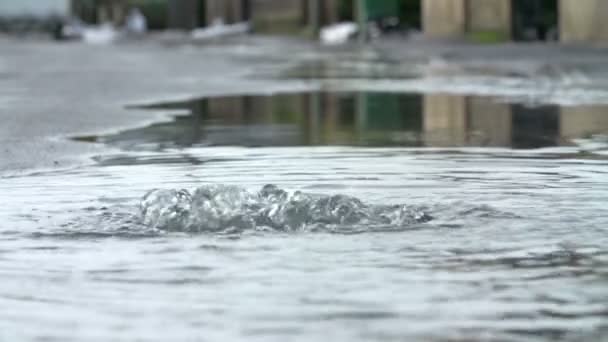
(372, 119)
(391, 217)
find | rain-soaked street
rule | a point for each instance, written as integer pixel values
(270, 189)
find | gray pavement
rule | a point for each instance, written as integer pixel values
(52, 91)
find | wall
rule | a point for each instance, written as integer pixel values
(583, 20)
(283, 16)
(443, 18)
(231, 11)
(329, 11)
(33, 7)
(183, 14)
(489, 16)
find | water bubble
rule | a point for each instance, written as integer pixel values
(166, 209)
(217, 208)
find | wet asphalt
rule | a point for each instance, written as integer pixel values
(50, 91)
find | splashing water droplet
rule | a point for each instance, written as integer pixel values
(218, 208)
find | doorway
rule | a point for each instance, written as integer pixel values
(410, 14)
(535, 20)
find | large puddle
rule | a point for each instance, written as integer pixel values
(364, 119)
(394, 217)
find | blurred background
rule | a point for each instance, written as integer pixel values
(392, 72)
(479, 20)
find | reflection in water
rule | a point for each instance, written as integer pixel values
(503, 246)
(366, 119)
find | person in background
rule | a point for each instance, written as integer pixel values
(136, 22)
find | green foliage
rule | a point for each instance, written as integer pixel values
(488, 37)
(408, 11)
(381, 8)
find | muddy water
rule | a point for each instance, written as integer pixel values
(392, 217)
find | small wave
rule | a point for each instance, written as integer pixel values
(117, 221)
(220, 208)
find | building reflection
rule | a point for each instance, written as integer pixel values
(577, 122)
(370, 119)
(452, 121)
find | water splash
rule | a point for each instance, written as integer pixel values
(218, 208)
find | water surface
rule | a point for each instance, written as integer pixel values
(391, 217)
(376, 119)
